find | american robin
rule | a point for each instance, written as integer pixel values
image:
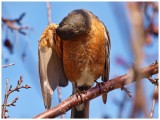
(78, 50)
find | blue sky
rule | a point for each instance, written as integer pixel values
(30, 103)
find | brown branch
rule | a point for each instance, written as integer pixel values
(155, 96)
(12, 103)
(11, 24)
(138, 40)
(153, 103)
(152, 28)
(94, 92)
(8, 91)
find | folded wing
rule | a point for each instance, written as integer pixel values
(105, 76)
(51, 71)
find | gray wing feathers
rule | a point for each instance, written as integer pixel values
(46, 84)
(51, 70)
(51, 73)
(105, 76)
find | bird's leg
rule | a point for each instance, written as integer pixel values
(78, 92)
(99, 85)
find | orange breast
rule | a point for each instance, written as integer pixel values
(85, 51)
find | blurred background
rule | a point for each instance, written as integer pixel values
(23, 24)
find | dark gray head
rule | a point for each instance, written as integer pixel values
(77, 22)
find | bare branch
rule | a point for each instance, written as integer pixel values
(11, 24)
(155, 98)
(12, 103)
(7, 65)
(4, 110)
(138, 40)
(10, 90)
(153, 103)
(94, 92)
(49, 13)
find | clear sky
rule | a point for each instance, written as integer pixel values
(30, 103)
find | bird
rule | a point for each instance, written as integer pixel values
(76, 50)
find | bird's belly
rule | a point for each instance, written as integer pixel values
(86, 78)
(83, 64)
(84, 57)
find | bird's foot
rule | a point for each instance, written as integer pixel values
(99, 84)
(79, 93)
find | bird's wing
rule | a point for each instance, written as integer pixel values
(105, 76)
(50, 65)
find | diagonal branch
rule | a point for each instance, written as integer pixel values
(94, 92)
(7, 65)
(10, 23)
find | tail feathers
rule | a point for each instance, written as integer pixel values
(104, 98)
(77, 113)
(82, 110)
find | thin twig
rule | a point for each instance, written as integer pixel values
(155, 98)
(12, 103)
(10, 23)
(49, 12)
(3, 115)
(153, 103)
(7, 65)
(8, 91)
(94, 92)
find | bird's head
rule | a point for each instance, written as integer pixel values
(74, 24)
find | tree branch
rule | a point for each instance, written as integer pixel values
(49, 12)
(7, 65)
(8, 91)
(94, 92)
(11, 24)
(155, 97)
(153, 103)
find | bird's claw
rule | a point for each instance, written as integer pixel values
(99, 84)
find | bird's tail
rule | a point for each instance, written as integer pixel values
(82, 110)
(84, 113)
